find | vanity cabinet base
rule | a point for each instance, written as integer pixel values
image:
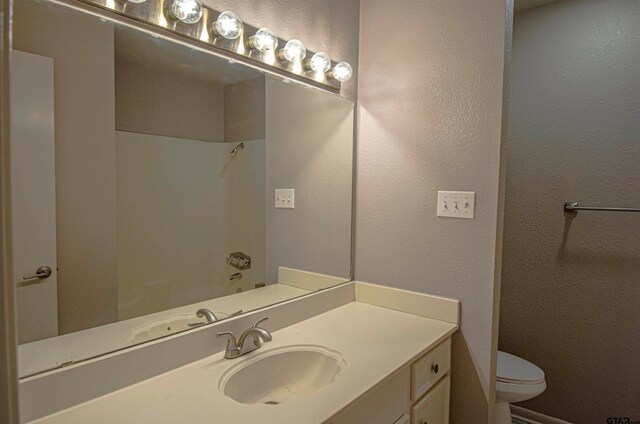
(419, 394)
(384, 405)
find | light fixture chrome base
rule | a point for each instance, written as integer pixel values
(157, 14)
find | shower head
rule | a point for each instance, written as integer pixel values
(235, 149)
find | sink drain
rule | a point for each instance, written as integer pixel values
(272, 402)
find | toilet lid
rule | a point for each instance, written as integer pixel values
(512, 369)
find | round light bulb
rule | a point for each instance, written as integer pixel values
(228, 25)
(293, 50)
(342, 72)
(187, 11)
(319, 62)
(264, 40)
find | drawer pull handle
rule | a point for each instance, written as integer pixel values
(435, 369)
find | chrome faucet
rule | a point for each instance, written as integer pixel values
(210, 316)
(249, 341)
(206, 313)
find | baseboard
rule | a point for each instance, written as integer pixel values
(525, 416)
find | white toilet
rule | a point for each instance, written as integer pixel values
(516, 380)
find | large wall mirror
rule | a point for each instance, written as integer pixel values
(152, 181)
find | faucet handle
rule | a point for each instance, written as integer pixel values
(234, 314)
(259, 321)
(232, 343)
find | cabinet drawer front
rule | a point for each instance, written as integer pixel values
(426, 371)
(434, 406)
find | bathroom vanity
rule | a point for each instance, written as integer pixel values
(189, 187)
(357, 353)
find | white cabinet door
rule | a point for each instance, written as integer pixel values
(433, 408)
(33, 202)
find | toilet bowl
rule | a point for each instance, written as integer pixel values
(516, 380)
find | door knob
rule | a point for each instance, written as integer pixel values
(42, 273)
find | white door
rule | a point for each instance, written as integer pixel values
(33, 202)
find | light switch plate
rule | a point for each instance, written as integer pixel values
(457, 204)
(285, 198)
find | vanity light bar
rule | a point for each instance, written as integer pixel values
(225, 31)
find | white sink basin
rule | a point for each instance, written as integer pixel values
(281, 374)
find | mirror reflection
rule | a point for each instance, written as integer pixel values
(163, 186)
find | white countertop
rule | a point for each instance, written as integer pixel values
(375, 343)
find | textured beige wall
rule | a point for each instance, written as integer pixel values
(322, 25)
(521, 5)
(152, 100)
(571, 286)
(85, 155)
(244, 111)
(430, 95)
(309, 147)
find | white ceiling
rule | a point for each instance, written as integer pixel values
(520, 5)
